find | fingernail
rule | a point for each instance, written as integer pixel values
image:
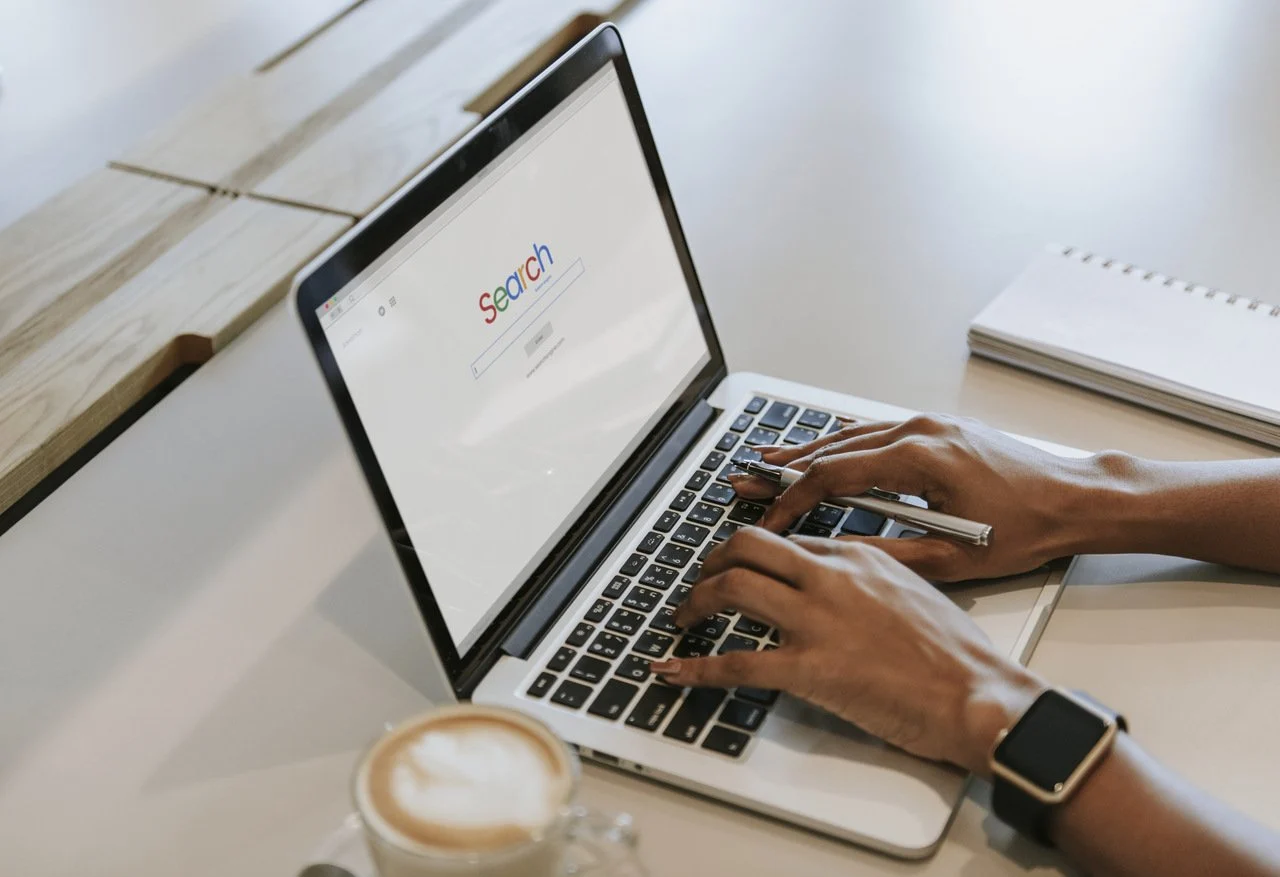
(666, 668)
(768, 449)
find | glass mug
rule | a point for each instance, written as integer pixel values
(575, 840)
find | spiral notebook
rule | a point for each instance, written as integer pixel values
(1178, 347)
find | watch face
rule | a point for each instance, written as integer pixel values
(1050, 740)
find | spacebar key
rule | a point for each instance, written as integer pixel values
(698, 708)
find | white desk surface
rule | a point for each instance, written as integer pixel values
(202, 626)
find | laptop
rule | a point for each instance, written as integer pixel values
(520, 352)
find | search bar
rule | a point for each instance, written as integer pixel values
(547, 296)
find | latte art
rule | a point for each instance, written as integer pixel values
(470, 782)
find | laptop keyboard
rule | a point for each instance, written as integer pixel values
(603, 665)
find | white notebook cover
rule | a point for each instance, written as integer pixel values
(1144, 328)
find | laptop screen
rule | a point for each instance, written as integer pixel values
(512, 350)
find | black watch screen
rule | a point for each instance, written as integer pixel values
(1050, 740)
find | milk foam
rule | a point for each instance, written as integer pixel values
(475, 776)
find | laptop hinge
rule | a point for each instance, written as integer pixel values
(578, 569)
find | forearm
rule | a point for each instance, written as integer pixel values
(1133, 816)
(1223, 512)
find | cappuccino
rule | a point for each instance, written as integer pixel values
(464, 781)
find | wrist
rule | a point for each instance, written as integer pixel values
(997, 698)
(1106, 506)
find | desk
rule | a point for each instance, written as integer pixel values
(204, 624)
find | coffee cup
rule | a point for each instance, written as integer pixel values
(483, 791)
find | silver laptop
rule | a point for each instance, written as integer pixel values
(521, 355)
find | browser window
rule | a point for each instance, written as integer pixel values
(512, 351)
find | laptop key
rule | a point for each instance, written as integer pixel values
(541, 685)
(613, 699)
(835, 426)
(711, 627)
(726, 741)
(762, 436)
(800, 436)
(663, 620)
(580, 634)
(617, 587)
(666, 521)
(561, 659)
(590, 669)
(697, 480)
(654, 706)
(825, 516)
(751, 627)
(653, 644)
(690, 534)
(742, 714)
(599, 609)
(675, 555)
(633, 667)
(608, 645)
(650, 543)
(705, 513)
(808, 528)
(713, 461)
(694, 647)
(728, 470)
(756, 405)
(642, 599)
(737, 643)
(700, 704)
(683, 499)
(746, 512)
(814, 419)
(862, 523)
(779, 415)
(745, 454)
(571, 694)
(740, 423)
(676, 597)
(706, 549)
(693, 573)
(727, 441)
(720, 494)
(634, 564)
(727, 529)
(757, 695)
(658, 577)
(625, 622)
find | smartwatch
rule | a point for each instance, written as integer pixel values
(1044, 757)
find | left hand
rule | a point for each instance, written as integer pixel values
(862, 637)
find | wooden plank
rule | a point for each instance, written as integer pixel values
(250, 126)
(67, 254)
(215, 265)
(370, 153)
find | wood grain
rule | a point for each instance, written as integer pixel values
(252, 125)
(345, 119)
(374, 150)
(128, 309)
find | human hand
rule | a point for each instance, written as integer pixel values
(1032, 499)
(862, 637)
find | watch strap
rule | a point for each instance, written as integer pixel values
(1027, 814)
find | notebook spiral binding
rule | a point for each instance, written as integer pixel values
(1210, 293)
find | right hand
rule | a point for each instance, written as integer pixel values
(1032, 499)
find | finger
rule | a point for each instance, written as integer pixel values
(767, 553)
(749, 592)
(899, 466)
(751, 487)
(774, 669)
(929, 556)
(781, 455)
(867, 441)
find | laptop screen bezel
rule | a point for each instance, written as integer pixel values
(398, 217)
